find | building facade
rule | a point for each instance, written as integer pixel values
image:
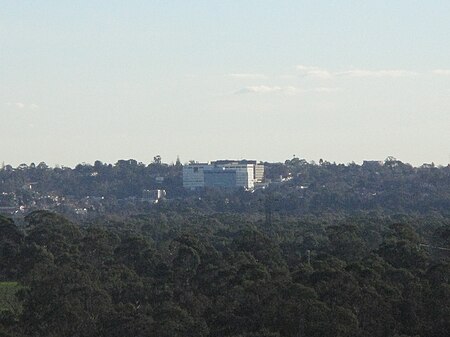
(193, 175)
(223, 174)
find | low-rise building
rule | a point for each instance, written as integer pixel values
(153, 196)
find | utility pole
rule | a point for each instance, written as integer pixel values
(268, 213)
(269, 207)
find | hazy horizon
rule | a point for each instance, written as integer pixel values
(169, 161)
(343, 81)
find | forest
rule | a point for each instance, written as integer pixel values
(193, 274)
(335, 250)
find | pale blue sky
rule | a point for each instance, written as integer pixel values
(339, 80)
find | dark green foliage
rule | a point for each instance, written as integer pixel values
(10, 307)
(11, 239)
(187, 273)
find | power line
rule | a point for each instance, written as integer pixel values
(434, 247)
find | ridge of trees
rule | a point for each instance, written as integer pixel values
(392, 186)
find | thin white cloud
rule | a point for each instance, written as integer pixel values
(265, 89)
(287, 90)
(321, 73)
(393, 73)
(248, 76)
(443, 72)
(259, 89)
(308, 71)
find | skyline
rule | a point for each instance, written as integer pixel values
(263, 80)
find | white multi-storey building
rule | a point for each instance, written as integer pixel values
(223, 173)
(193, 175)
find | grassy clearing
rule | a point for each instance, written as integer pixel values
(8, 284)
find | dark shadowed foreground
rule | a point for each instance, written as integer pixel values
(188, 273)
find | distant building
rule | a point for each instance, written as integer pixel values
(153, 196)
(220, 177)
(193, 176)
(159, 179)
(9, 210)
(259, 173)
(223, 174)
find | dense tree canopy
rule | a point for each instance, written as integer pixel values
(188, 273)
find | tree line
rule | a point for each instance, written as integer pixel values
(392, 186)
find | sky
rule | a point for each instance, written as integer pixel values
(339, 80)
